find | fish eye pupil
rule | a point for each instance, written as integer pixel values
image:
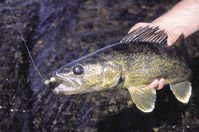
(78, 69)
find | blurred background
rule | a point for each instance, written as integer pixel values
(58, 32)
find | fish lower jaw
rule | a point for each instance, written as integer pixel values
(63, 89)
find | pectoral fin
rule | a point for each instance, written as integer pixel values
(143, 97)
(182, 91)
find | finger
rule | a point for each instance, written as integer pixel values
(154, 84)
(161, 84)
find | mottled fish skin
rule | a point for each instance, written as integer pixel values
(136, 63)
(101, 72)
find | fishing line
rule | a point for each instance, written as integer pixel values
(24, 41)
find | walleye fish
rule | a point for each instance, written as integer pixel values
(133, 63)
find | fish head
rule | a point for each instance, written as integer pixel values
(86, 76)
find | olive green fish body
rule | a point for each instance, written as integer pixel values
(146, 62)
(136, 61)
(141, 63)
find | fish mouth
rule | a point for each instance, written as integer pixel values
(63, 89)
(67, 85)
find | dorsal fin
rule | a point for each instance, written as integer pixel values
(180, 43)
(146, 34)
(179, 40)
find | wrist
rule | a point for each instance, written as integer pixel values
(173, 31)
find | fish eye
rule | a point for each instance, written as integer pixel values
(78, 69)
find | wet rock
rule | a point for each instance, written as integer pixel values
(14, 86)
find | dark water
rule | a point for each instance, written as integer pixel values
(60, 31)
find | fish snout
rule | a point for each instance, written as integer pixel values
(67, 85)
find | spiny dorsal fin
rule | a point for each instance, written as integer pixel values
(146, 34)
